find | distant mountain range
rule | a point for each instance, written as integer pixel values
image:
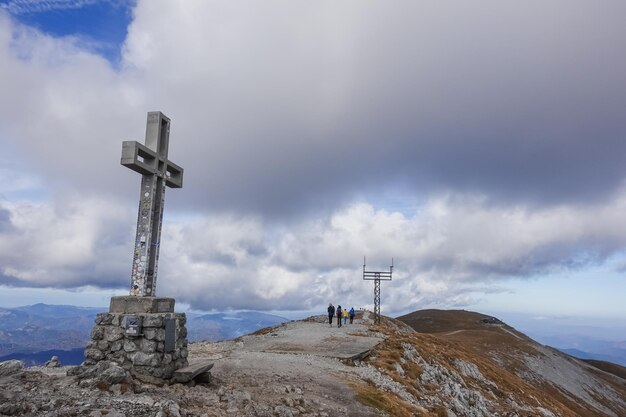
(618, 358)
(36, 333)
(42, 327)
(223, 326)
(66, 357)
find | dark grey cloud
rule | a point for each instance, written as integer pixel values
(493, 98)
(288, 108)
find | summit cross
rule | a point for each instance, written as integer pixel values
(157, 171)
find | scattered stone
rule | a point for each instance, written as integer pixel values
(114, 375)
(11, 367)
(104, 375)
(9, 409)
(282, 411)
(114, 413)
(53, 362)
(236, 397)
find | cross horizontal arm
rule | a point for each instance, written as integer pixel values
(139, 158)
(173, 175)
(145, 161)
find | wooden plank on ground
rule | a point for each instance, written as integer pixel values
(190, 372)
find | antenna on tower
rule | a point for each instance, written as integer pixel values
(377, 276)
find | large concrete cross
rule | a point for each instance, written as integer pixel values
(157, 171)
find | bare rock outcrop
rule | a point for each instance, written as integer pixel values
(54, 362)
(10, 367)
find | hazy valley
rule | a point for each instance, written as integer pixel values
(35, 333)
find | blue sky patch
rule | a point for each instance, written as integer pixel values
(100, 24)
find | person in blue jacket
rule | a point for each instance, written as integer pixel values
(352, 314)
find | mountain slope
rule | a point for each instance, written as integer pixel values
(516, 368)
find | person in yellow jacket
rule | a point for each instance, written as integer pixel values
(344, 313)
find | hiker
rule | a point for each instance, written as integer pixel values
(339, 312)
(331, 313)
(352, 314)
(345, 316)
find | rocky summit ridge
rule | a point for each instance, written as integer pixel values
(427, 363)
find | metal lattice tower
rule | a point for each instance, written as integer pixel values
(377, 276)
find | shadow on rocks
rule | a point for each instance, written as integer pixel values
(104, 375)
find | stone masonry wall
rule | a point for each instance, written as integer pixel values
(143, 355)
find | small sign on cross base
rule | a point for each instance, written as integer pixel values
(157, 171)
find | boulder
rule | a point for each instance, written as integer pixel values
(94, 371)
(53, 362)
(11, 367)
(113, 375)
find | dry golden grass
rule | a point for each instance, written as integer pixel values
(477, 342)
(609, 367)
(386, 402)
(265, 330)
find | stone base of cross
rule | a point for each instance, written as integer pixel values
(143, 335)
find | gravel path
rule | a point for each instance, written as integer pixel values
(308, 372)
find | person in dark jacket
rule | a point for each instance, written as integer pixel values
(331, 314)
(339, 311)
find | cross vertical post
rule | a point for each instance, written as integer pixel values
(157, 171)
(377, 276)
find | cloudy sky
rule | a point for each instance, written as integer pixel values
(480, 144)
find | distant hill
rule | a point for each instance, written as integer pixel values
(222, 326)
(517, 365)
(441, 321)
(32, 332)
(580, 354)
(609, 367)
(584, 346)
(41, 327)
(66, 357)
